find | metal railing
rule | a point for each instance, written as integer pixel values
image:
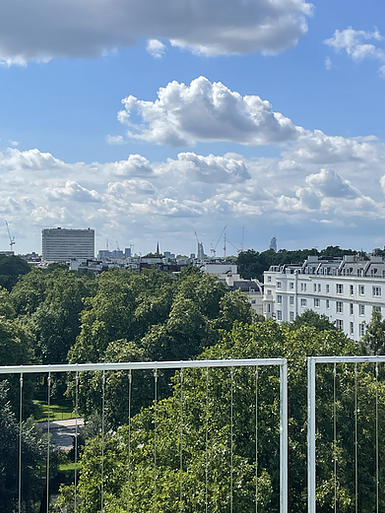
(22, 370)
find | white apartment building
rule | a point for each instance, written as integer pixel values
(344, 290)
(64, 245)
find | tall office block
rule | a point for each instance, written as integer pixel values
(62, 245)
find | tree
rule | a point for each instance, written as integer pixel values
(311, 318)
(374, 339)
(11, 268)
(34, 449)
(136, 491)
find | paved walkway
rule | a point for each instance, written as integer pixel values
(62, 431)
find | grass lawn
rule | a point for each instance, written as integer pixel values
(60, 411)
(67, 467)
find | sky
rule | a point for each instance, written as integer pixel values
(149, 121)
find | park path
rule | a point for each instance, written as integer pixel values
(62, 431)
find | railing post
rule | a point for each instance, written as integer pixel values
(311, 474)
(284, 467)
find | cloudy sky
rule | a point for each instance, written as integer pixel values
(147, 120)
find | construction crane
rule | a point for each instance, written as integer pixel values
(11, 239)
(214, 248)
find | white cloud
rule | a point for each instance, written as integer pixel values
(115, 140)
(316, 180)
(203, 111)
(155, 48)
(328, 63)
(328, 183)
(43, 29)
(210, 169)
(355, 43)
(72, 191)
(135, 165)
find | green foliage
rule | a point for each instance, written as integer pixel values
(34, 449)
(11, 268)
(130, 481)
(374, 338)
(311, 318)
(252, 264)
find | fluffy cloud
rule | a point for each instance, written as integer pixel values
(328, 183)
(210, 169)
(155, 48)
(72, 191)
(43, 29)
(115, 140)
(135, 200)
(355, 44)
(203, 111)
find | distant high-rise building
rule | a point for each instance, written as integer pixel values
(273, 243)
(62, 244)
(201, 251)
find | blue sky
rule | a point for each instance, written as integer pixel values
(271, 119)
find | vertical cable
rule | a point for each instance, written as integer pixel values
(256, 439)
(48, 433)
(181, 443)
(207, 440)
(335, 437)
(103, 429)
(155, 437)
(76, 436)
(20, 439)
(129, 437)
(355, 438)
(231, 437)
(377, 445)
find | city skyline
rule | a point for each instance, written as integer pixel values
(261, 115)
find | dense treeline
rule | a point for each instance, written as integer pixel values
(252, 264)
(58, 316)
(187, 453)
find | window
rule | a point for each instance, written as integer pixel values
(319, 287)
(316, 302)
(361, 329)
(279, 315)
(339, 288)
(269, 279)
(292, 285)
(361, 309)
(303, 302)
(291, 316)
(279, 284)
(361, 290)
(292, 300)
(339, 306)
(327, 303)
(268, 308)
(327, 289)
(253, 301)
(315, 287)
(351, 328)
(279, 298)
(376, 291)
(269, 292)
(351, 290)
(351, 308)
(340, 324)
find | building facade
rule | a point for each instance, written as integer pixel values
(344, 290)
(64, 245)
